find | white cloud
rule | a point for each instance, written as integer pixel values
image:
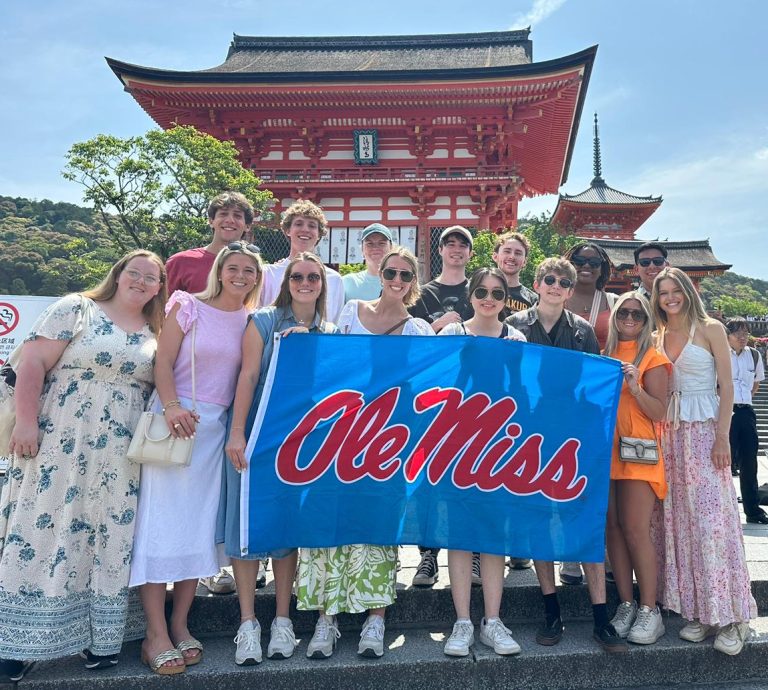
(539, 11)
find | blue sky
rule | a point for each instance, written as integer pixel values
(679, 85)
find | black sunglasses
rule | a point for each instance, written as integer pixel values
(656, 261)
(565, 283)
(390, 273)
(636, 314)
(497, 293)
(300, 277)
(593, 261)
(241, 246)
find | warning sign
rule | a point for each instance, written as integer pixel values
(17, 315)
(9, 318)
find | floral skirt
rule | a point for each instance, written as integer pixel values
(346, 579)
(702, 565)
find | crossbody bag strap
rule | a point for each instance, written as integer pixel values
(194, 388)
(397, 325)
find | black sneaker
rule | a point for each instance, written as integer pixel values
(609, 640)
(477, 578)
(550, 634)
(14, 670)
(760, 519)
(426, 574)
(94, 662)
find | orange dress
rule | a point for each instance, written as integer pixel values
(632, 422)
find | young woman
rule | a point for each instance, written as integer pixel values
(487, 295)
(703, 568)
(361, 577)
(636, 486)
(69, 500)
(176, 524)
(298, 308)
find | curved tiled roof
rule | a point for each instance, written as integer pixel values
(600, 193)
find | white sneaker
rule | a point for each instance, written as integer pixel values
(648, 626)
(323, 642)
(697, 632)
(461, 639)
(493, 633)
(730, 640)
(571, 574)
(372, 637)
(282, 641)
(248, 641)
(221, 583)
(624, 617)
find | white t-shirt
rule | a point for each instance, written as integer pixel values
(361, 285)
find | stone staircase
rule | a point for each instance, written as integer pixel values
(760, 403)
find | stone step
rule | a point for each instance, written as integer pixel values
(414, 658)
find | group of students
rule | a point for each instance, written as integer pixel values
(80, 526)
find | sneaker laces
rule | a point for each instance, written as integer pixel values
(644, 618)
(284, 633)
(498, 631)
(427, 565)
(476, 566)
(624, 612)
(249, 639)
(463, 629)
(326, 627)
(373, 628)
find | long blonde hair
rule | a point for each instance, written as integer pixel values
(644, 338)
(284, 299)
(213, 285)
(154, 310)
(694, 307)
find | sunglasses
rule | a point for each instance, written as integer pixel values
(656, 261)
(497, 294)
(636, 314)
(300, 278)
(390, 273)
(148, 278)
(241, 246)
(593, 261)
(565, 283)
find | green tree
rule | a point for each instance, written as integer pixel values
(735, 306)
(152, 191)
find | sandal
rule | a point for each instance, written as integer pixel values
(187, 645)
(156, 664)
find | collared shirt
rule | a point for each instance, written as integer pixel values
(571, 332)
(641, 289)
(745, 375)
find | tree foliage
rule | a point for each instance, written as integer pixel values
(152, 191)
(733, 292)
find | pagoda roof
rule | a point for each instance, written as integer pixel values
(689, 255)
(600, 193)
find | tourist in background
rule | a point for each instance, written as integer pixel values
(376, 241)
(69, 498)
(298, 308)
(176, 521)
(703, 568)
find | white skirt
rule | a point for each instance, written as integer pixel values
(176, 521)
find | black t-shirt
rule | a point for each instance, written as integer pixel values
(437, 299)
(519, 298)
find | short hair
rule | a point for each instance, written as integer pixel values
(484, 271)
(284, 299)
(649, 245)
(306, 209)
(558, 266)
(737, 323)
(415, 290)
(605, 262)
(507, 236)
(694, 307)
(228, 199)
(213, 283)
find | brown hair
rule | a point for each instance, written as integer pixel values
(414, 292)
(306, 209)
(227, 199)
(561, 267)
(284, 299)
(507, 236)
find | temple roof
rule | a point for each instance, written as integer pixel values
(600, 193)
(691, 255)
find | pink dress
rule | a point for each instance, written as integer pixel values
(703, 569)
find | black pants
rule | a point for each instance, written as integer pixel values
(744, 442)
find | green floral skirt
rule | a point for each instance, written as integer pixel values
(346, 579)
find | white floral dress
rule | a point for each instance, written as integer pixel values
(67, 515)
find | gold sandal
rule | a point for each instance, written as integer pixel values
(156, 665)
(187, 645)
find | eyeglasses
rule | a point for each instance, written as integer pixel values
(656, 261)
(148, 278)
(300, 278)
(497, 293)
(593, 261)
(241, 246)
(636, 314)
(390, 273)
(565, 283)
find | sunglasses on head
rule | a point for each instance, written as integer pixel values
(636, 314)
(390, 273)
(300, 278)
(656, 261)
(593, 261)
(565, 283)
(497, 294)
(241, 246)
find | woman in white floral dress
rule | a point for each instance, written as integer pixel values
(69, 498)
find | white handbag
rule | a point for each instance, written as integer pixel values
(152, 442)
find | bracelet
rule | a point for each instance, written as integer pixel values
(171, 403)
(237, 427)
(637, 395)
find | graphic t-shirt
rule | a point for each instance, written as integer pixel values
(437, 299)
(518, 299)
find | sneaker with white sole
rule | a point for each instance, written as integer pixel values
(731, 638)
(372, 637)
(427, 571)
(248, 641)
(697, 632)
(493, 633)
(261, 574)
(519, 563)
(648, 626)
(323, 642)
(461, 639)
(221, 583)
(624, 617)
(571, 574)
(282, 641)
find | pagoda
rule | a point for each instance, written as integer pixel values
(417, 132)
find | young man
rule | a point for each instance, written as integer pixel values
(304, 225)
(550, 323)
(376, 241)
(511, 255)
(230, 214)
(650, 259)
(748, 372)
